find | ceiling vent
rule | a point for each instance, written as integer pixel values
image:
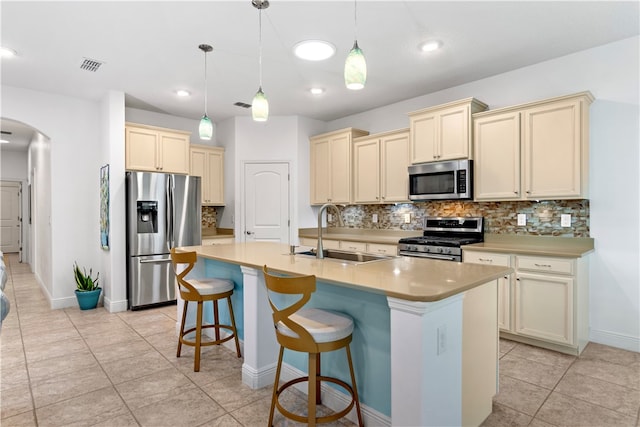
(242, 104)
(89, 64)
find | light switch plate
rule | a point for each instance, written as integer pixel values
(522, 219)
(374, 218)
(565, 220)
(407, 218)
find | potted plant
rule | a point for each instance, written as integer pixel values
(88, 291)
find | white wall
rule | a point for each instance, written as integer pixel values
(73, 127)
(611, 73)
(13, 167)
(167, 121)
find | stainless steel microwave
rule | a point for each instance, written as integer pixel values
(441, 180)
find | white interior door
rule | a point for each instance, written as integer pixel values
(266, 202)
(10, 224)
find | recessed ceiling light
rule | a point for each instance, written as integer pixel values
(316, 90)
(5, 52)
(314, 50)
(431, 45)
(3, 141)
(182, 92)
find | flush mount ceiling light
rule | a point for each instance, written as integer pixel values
(355, 67)
(314, 50)
(260, 105)
(316, 90)
(6, 52)
(431, 45)
(182, 93)
(3, 141)
(206, 127)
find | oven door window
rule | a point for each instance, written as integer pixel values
(433, 183)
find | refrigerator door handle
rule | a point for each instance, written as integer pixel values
(154, 261)
(169, 227)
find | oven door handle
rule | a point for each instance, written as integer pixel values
(433, 256)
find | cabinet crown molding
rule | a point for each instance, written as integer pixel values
(354, 132)
(156, 128)
(586, 96)
(473, 101)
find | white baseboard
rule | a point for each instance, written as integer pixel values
(336, 400)
(258, 379)
(115, 306)
(615, 339)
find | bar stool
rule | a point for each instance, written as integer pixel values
(201, 290)
(313, 331)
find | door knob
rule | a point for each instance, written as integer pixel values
(249, 233)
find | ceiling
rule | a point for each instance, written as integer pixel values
(150, 49)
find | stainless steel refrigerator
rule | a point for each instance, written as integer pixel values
(163, 211)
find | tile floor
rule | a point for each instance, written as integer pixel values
(93, 368)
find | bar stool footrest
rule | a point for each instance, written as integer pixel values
(207, 343)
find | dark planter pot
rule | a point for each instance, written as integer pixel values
(88, 299)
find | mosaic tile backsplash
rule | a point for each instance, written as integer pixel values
(543, 218)
(209, 219)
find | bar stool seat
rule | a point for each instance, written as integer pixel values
(200, 291)
(313, 331)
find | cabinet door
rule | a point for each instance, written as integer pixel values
(215, 184)
(394, 161)
(340, 167)
(141, 149)
(379, 248)
(320, 180)
(552, 150)
(366, 171)
(424, 134)
(544, 307)
(497, 157)
(453, 129)
(199, 168)
(174, 153)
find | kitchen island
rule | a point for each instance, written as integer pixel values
(426, 339)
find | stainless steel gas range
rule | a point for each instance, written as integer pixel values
(442, 237)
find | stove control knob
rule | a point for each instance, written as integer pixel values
(447, 251)
(439, 250)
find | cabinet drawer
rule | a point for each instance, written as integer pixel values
(353, 246)
(547, 265)
(376, 248)
(486, 258)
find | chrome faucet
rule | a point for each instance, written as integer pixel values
(319, 248)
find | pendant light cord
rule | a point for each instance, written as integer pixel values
(355, 19)
(205, 84)
(260, 45)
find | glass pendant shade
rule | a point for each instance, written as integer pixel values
(355, 68)
(260, 107)
(206, 128)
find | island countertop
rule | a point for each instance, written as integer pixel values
(409, 278)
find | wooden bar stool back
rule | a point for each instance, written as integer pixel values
(313, 331)
(200, 291)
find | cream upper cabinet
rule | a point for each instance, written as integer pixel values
(154, 149)
(537, 151)
(208, 163)
(380, 165)
(330, 164)
(443, 132)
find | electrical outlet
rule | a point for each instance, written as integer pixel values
(522, 219)
(407, 218)
(565, 220)
(329, 217)
(374, 218)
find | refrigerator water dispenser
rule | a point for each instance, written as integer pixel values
(147, 216)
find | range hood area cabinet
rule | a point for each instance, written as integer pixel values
(380, 165)
(156, 149)
(443, 132)
(208, 163)
(536, 151)
(330, 165)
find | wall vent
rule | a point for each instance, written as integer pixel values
(89, 64)
(242, 104)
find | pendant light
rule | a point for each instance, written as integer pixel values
(206, 126)
(260, 105)
(355, 67)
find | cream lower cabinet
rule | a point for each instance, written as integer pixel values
(443, 132)
(545, 303)
(218, 241)
(504, 283)
(537, 151)
(380, 165)
(154, 149)
(353, 246)
(330, 166)
(208, 163)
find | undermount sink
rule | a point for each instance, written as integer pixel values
(353, 257)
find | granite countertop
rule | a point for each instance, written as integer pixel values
(414, 279)
(565, 247)
(216, 233)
